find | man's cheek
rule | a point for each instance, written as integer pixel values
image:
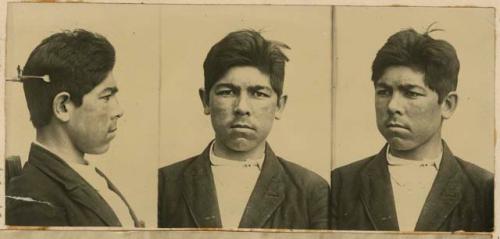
(270, 109)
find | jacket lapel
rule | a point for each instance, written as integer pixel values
(78, 189)
(445, 194)
(112, 187)
(267, 194)
(377, 195)
(199, 192)
(88, 197)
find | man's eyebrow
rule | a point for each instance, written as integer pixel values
(381, 84)
(403, 86)
(260, 87)
(411, 86)
(227, 85)
(112, 90)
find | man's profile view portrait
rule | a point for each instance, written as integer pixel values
(238, 181)
(71, 95)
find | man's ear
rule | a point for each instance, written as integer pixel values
(62, 106)
(204, 100)
(449, 105)
(281, 106)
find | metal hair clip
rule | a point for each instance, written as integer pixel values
(20, 77)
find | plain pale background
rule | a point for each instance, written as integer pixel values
(188, 234)
(131, 163)
(303, 134)
(362, 31)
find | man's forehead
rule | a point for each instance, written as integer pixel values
(242, 82)
(400, 84)
(401, 77)
(245, 75)
(243, 85)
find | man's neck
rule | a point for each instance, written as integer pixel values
(432, 148)
(220, 150)
(59, 143)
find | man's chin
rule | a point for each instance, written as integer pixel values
(98, 150)
(241, 145)
(399, 144)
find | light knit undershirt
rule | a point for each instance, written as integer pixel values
(88, 173)
(411, 183)
(234, 183)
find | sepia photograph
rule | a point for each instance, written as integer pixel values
(414, 89)
(180, 119)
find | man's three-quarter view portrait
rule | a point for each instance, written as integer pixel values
(416, 181)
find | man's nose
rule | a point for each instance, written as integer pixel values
(395, 104)
(242, 106)
(118, 109)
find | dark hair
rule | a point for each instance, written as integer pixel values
(246, 48)
(75, 61)
(437, 59)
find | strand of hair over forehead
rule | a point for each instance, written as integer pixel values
(409, 40)
(432, 55)
(405, 39)
(262, 49)
(427, 33)
(430, 29)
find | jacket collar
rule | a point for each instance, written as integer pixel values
(200, 195)
(268, 193)
(376, 193)
(199, 192)
(378, 198)
(445, 194)
(76, 187)
(112, 187)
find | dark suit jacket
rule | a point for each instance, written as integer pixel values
(50, 193)
(461, 197)
(285, 196)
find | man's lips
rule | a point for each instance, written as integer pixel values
(396, 125)
(112, 130)
(242, 126)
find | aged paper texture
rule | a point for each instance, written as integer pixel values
(329, 120)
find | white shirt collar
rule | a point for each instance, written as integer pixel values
(219, 161)
(68, 159)
(397, 161)
(85, 170)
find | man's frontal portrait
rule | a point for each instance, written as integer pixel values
(244, 101)
(238, 181)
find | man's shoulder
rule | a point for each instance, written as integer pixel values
(176, 169)
(300, 174)
(474, 173)
(34, 198)
(354, 167)
(33, 183)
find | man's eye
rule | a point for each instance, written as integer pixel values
(383, 92)
(260, 94)
(224, 92)
(106, 97)
(412, 94)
